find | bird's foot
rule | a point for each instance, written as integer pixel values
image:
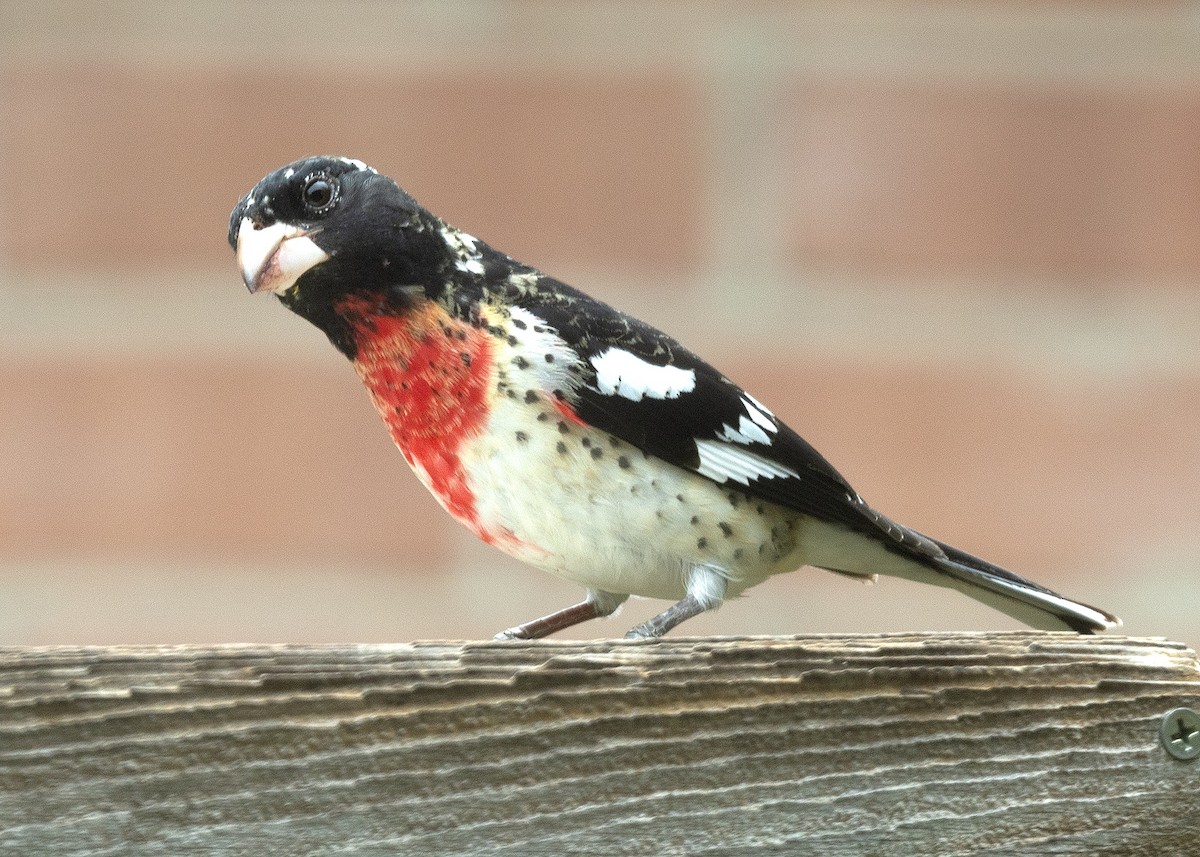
(644, 631)
(517, 633)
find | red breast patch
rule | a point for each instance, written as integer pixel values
(429, 376)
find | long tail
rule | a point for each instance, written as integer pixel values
(1022, 599)
(913, 556)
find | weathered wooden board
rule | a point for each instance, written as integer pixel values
(948, 744)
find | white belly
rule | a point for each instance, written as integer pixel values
(595, 510)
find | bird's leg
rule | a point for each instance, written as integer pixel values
(556, 621)
(686, 608)
(598, 603)
(705, 590)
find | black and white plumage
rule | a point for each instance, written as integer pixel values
(592, 444)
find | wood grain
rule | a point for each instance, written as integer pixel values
(948, 744)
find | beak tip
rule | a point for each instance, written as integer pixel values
(251, 279)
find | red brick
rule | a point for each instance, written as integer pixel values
(950, 180)
(128, 458)
(123, 167)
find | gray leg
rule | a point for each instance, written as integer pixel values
(598, 603)
(705, 591)
(685, 609)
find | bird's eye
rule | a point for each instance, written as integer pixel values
(319, 193)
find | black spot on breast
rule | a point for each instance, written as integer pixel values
(520, 362)
(737, 554)
(518, 324)
(725, 528)
(522, 437)
(561, 447)
(465, 358)
(734, 500)
(597, 452)
(542, 417)
(702, 543)
(623, 462)
(563, 428)
(511, 393)
(587, 441)
(549, 358)
(695, 519)
(679, 497)
(531, 396)
(512, 340)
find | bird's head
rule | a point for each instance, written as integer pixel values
(324, 227)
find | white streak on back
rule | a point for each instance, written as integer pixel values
(467, 257)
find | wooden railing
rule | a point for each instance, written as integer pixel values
(1016, 743)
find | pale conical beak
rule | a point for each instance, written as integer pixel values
(274, 257)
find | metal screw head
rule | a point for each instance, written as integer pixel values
(1180, 733)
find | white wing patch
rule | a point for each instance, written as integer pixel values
(752, 426)
(759, 413)
(621, 373)
(721, 462)
(748, 431)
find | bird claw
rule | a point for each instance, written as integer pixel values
(643, 632)
(511, 634)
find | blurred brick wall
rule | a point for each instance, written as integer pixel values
(956, 245)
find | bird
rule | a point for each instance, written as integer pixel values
(568, 434)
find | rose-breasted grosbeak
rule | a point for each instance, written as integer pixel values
(566, 433)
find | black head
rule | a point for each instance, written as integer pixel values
(324, 227)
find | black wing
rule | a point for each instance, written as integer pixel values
(713, 428)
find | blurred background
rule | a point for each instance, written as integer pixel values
(955, 245)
